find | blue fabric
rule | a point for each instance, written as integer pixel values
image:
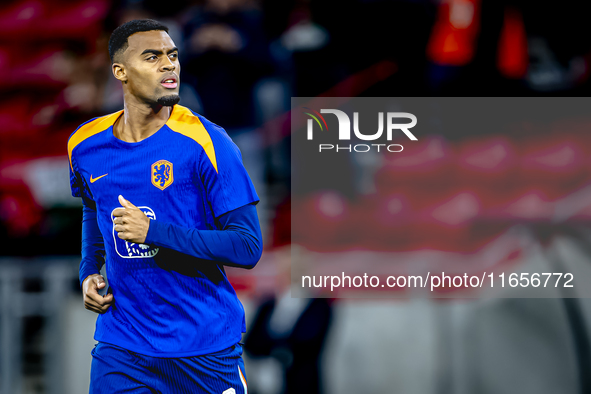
(116, 370)
(93, 247)
(169, 303)
(238, 244)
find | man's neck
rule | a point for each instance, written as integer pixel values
(140, 121)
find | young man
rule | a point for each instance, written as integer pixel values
(166, 203)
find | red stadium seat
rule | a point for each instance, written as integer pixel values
(553, 161)
(487, 160)
(14, 115)
(415, 219)
(50, 69)
(574, 206)
(578, 131)
(428, 161)
(525, 204)
(22, 113)
(78, 20)
(19, 212)
(446, 223)
(383, 222)
(18, 21)
(5, 67)
(322, 222)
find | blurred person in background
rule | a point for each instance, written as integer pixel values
(317, 51)
(226, 58)
(508, 48)
(226, 54)
(287, 337)
(170, 320)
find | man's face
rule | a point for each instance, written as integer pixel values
(152, 68)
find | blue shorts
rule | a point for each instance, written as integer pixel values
(116, 370)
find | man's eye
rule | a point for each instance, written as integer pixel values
(151, 57)
(174, 55)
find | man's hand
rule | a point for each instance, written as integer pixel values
(131, 223)
(93, 301)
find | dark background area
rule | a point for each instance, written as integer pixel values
(242, 61)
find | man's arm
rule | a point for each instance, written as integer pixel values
(93, 252)
(93, 248)
(238, 242)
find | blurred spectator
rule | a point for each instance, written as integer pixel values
(286, 339)
(226, 52)
(481, 47)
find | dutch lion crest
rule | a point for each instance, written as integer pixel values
(162, 175)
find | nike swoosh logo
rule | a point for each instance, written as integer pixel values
(93, 180)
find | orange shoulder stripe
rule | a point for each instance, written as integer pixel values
(90, 129)
(184, 122)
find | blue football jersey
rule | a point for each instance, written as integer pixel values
(188, 173)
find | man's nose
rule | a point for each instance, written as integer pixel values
(168, 65)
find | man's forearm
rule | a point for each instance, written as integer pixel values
(93, 248)
(238, 243)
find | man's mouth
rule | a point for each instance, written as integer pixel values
(169, 82)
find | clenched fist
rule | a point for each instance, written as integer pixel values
(131, 223)
(93, 301)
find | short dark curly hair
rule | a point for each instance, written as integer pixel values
(118, 41)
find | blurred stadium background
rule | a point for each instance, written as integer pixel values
(242, 60)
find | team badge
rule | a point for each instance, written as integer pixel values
(162, 174)
(130, 250)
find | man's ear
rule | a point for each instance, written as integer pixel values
(119, 72)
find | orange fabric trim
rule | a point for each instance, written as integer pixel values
(90, 129)
(243, 379)
(183, 121)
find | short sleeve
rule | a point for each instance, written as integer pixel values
(76, 180)
(78, 185)
(75, 183)
(225, 180)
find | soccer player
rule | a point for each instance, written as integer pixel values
(166, 204)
